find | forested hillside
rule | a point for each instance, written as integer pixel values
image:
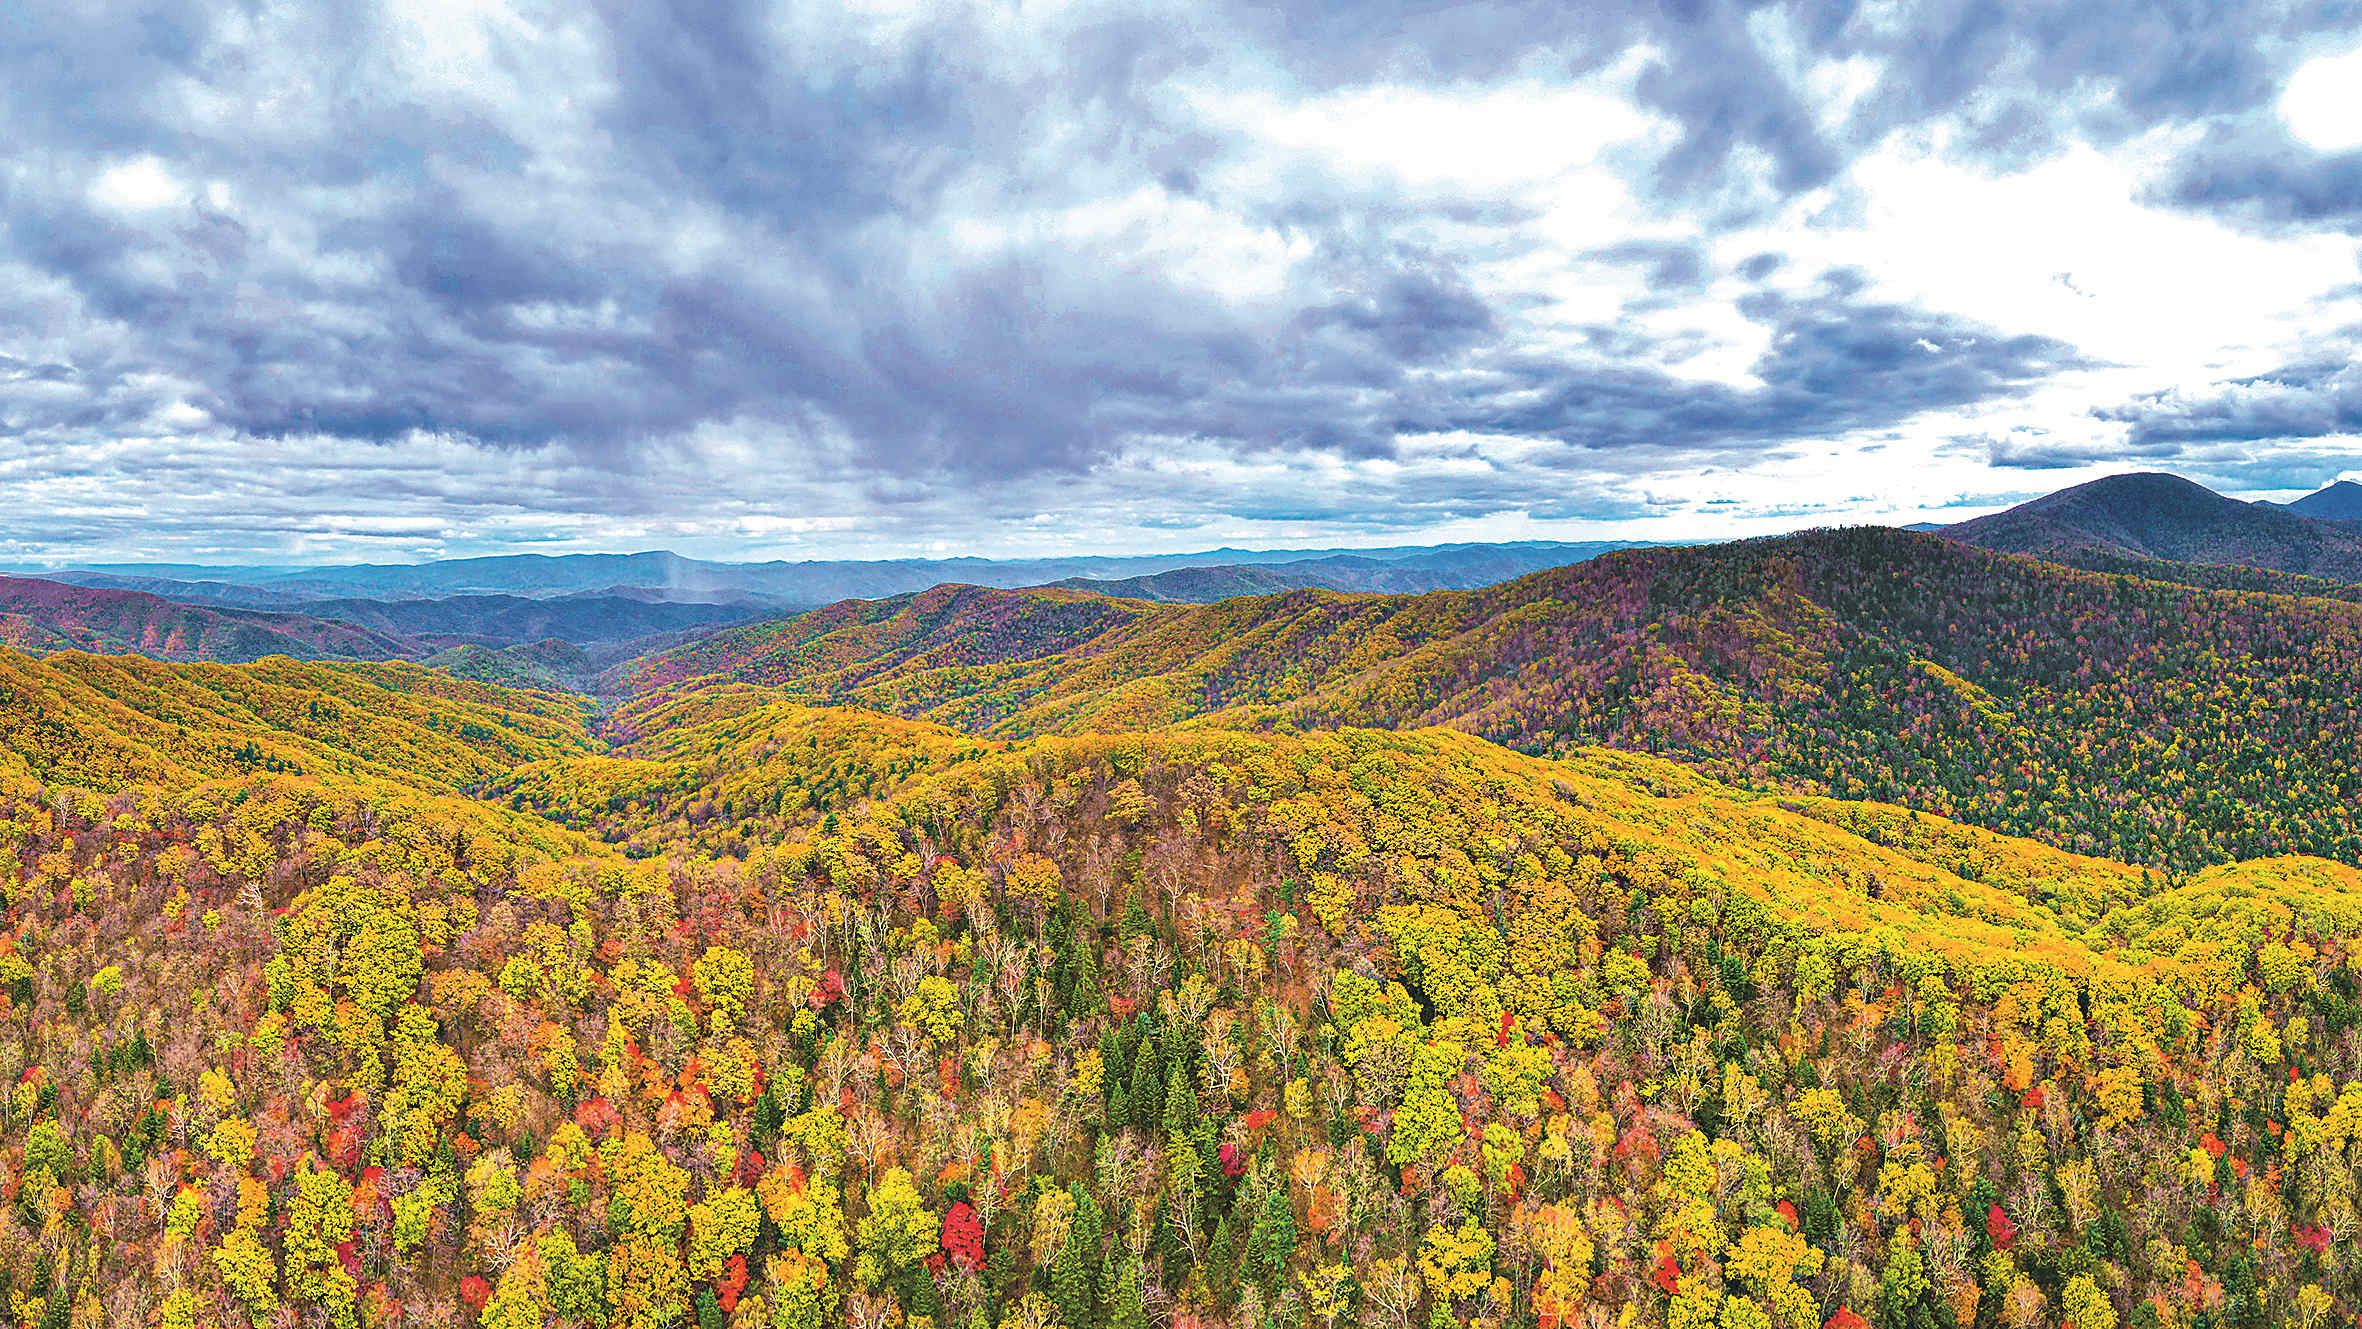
(2167, 517)
(111, 722)
(759, 1015)
(2150, 720)
(45, 616)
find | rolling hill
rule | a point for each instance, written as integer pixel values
(583, 619)
(866, 1019)
(2166, 517)
(1080, 960)
(112, 722)
(2157, 722)
(44, 616)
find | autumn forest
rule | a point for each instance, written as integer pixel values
(1852, 929)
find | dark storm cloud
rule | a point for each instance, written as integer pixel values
(967, 245)
(1837, 364)
(2262, 177)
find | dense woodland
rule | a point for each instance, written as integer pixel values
(2150, 720)
(361, 995)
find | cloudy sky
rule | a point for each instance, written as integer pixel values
(307, 281)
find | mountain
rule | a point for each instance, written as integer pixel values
(46, 616)
(357, 994)
(1444, 569)
(667, 576)
(2156, 722)
(2341, 501)
(2169, 518)
(582, 618)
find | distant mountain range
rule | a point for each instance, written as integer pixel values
(42, 617)
(560, 621)
(2167, 518)
(493, 620)
(667, 576)
(1456, 567)
(583, 620)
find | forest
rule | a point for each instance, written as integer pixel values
(2122, 712)
(358, 994)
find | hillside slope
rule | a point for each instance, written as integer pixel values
(1344, 1027)
(43, 616)
(111, 722)
(501, 620)
(2158, 722)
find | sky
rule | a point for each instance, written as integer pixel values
(300, 282)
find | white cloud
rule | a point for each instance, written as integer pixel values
(2322, 102)
(2071, 248)
(1487, 140)
(815, 279)
(142, 184)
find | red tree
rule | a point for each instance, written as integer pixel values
(962, 1238)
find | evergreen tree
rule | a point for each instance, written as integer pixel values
(1125, 1308)
(1273, 1240)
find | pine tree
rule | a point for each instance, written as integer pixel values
(1180, 1105)
(1125, 1308)
(1273, 1240)
(1148, 1087)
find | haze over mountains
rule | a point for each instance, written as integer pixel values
(574, 620)
(783, 584)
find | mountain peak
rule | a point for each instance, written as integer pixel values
(2159, 516)
(2339, 501)
(2142, 488)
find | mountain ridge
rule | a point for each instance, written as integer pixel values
(805, 584)
(2341, 500)
(2161, 516)
(44, 616)
(1866, 661)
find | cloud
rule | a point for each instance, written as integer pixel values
(2308, 400)
(2322, 102)
(859, 278)
(2263, 178)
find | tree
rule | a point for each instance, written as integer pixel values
(1125, 1307)
(962, 1238)
(248, 1271)
(725, 981)
(320, 1220)
(897, 1232)
(1272, 1240)
(721, 1226)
